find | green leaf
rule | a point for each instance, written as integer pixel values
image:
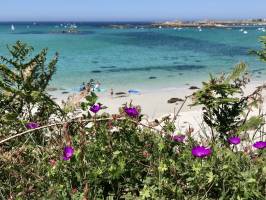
(238, 71)
(210, 177)
(91, 99)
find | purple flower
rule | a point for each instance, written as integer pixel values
(95, 108)
(32, 125)
(201, 151)
(259, 145)
(178, 138)
(68, 152)
(131, 112)
(234, 140)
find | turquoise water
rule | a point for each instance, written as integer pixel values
(127, 58)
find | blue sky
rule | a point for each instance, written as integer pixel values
(129, 10)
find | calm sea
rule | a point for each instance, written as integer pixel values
(142, 58)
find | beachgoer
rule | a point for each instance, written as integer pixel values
(97, 86)
(88, 87)
(82, 87)
(92, 84)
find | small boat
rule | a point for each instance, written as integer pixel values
(160, 27)
(245, 32)
(12, 27)
(73, 26)
(241, 30)
(199, 28)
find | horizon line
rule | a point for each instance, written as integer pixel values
(129, 20)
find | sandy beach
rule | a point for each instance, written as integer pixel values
(155, 104)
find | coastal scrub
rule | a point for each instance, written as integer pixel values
(119, 156)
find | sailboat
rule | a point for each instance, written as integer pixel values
(12, 27)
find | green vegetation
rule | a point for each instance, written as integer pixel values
(261, 53)
(23, 81)
(226, 109)
(45, 155)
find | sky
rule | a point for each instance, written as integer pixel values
(129, 10)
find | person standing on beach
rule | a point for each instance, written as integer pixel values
(82, 87)
(112, 92)
(88, 87)
(97, 86)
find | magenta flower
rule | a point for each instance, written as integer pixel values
(131, 112)
(32, 125)
(201, 151)
(68, 152)
(259, 145)
(95, 108)
(234, 140)
(178, 138)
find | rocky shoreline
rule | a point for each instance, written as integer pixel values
(184, 24)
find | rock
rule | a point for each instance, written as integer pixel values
(96, 71)
(121, 96)
(193, 87)
(152, 77)
(50, 89)
(120, 93)
(65, 92)
(174, 100)
(108, 67)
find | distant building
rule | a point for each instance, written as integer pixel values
(257, 20)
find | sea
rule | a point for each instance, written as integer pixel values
(137, 57)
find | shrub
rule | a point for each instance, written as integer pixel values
(23, 83)
(225, 108)
(103, 156)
